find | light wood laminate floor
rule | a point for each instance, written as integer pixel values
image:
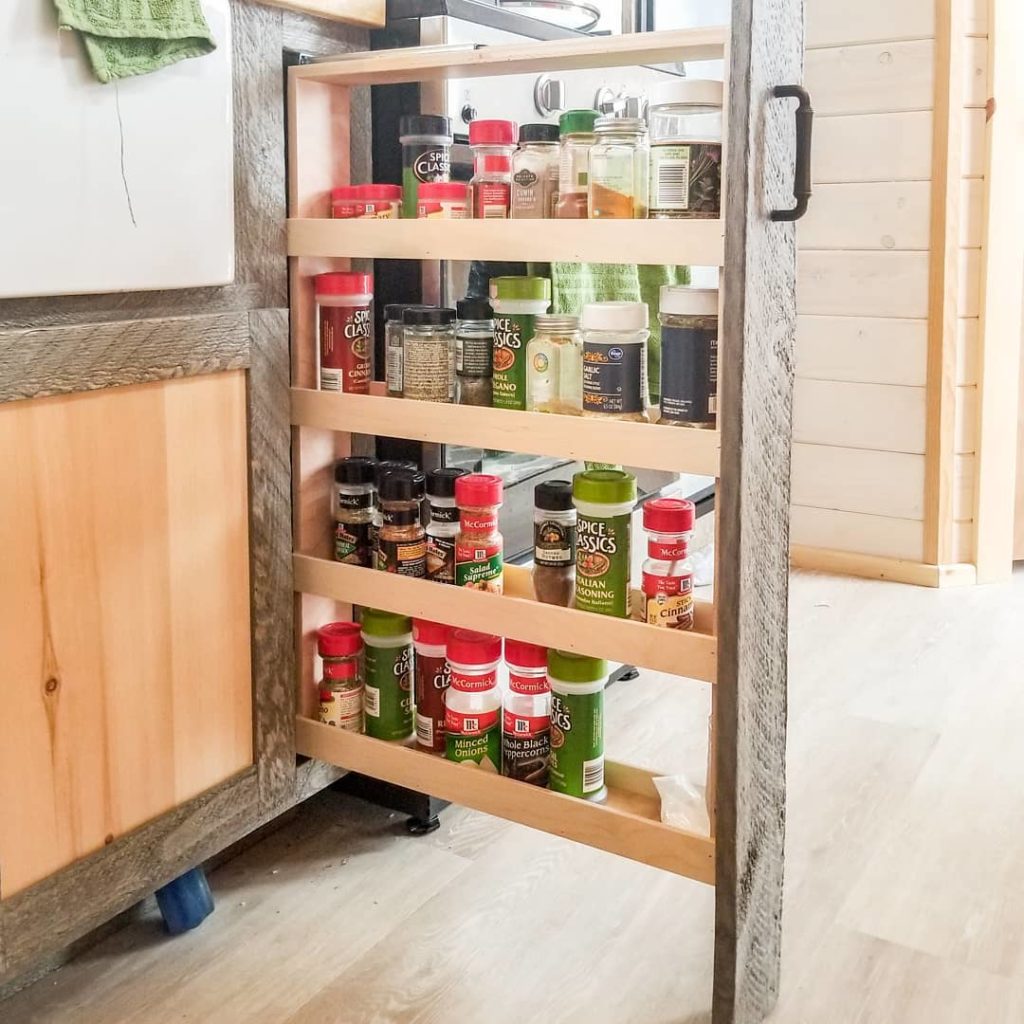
(904, 902)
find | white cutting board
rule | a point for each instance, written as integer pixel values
(65, 222)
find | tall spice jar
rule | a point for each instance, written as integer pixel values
(472, 723)
(428, 347)
(554, 543)
(667, 581)
(384, 466)
(517, 301)
(689, 356)
(340, 647)
(535, 172)
(426, 155)
(401, 540)
(576, 137)
(479, 547)
(353, 499)
(387, 639)
(615, 360)
(394, 353)
(493, 143)
(577, 724)
(619, 169)
(604, 500)
(526, 714)
(344, 302)
(443, 525)
(474, 353)
(554, 366)
(433, 678)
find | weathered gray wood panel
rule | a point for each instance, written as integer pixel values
(758, 330)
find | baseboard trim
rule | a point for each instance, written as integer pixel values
(875, 567)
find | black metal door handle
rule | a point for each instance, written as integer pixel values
(802, 174)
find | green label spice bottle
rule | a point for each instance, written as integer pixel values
(577, 724)
(516, 301)
(604, 500)
(388, 658)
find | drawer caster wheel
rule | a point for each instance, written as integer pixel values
(186, 902)
(422, 826)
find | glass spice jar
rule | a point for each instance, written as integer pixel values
(554, 543)
(554, 366)
(340, 647)
(689, 356)
(479, 547)
(493, 143)
(428, 347)
(576, 137)
(535, 172)
(474, 353)
(619, 169)
(667, 581)
(401, 540)
(615, 360)
(443, 527)
(344, 302)
(384, 466)
(353, 499)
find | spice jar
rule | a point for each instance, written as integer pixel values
(577, 724)
(428, 347)
(432, 678)
(554, 543)
(388, 701)
(474, 352)
(554, 366)
(426, 155)
(668, 570)
(615, 360)
(516, 301)
(479, 547)
(685, 118)
(379, 202)
(344, 202)
(473, 701)
(619, 169)
(345, 331)
(535, 171)
(576, 137)
(604, 500)
(526, 714)
(401, 539)
(443, 527)
(443, 200)
(340, 647)
(689, 356)
(493, 143)
(393, 353)
(353, 499)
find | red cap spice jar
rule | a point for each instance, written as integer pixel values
(429, 639)
(345, 331)
(443, 200)
(473, 701)
(493, 143)
(340, 646)
(344, 200)
(526, 717)
(479, 547)
(379, 202)
(668, 570)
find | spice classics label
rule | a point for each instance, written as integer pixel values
(388, 691)
(345, 344)
(577, 743)
(525, 747)
(433, 677)
(512, 331)
(475, 736)
(602, 565)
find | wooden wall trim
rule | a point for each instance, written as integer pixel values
(877, 567)
(62, 360)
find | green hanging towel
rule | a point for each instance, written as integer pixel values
(134, 37)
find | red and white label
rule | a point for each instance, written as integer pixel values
(531, 685)
(474, 682)
(525, 726)
(472, 723)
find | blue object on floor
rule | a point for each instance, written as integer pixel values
(186, 902)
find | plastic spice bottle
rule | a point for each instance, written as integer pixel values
(443, 526)
(668, 570)
(345, 331)
(384, 466)
(378, 202)
(604, 500)
(444, 200)
(535, 171)
(619, 169)
(577, 724)
(388, 702)
(526, 714)
(685, 116)
(428, 347)
(353, 499)
(472, 730)
(689, 356)
(576, 131)
(479, 547)
(426, 155)
(433, 677)
(401, 540)
(340, 646)
(615, 360)
(516, 301)
(493, 143)
(554, 366)
(474, 353)
(554, 543)
(344, 202)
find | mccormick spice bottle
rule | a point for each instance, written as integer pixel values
(345, 331)
(479, 547)
(526, 715)
(426, 155)
(401, 540)
(385, 466)
(378, 202)
(577, 724)
(535, 172)
(353, 499)
(604, 499)
(493, 143)
(340, 646)
(554, 543)
(388, 701)
(433, 677)
(444, 200)
(668, 570)
(516, 301)
(473, 701)
(689, 356)
(443, 527)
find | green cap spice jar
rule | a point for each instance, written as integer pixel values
(577, 724)
(604, 500)
(388, 657)
(516, 301)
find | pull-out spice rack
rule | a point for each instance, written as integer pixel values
(738, 644)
